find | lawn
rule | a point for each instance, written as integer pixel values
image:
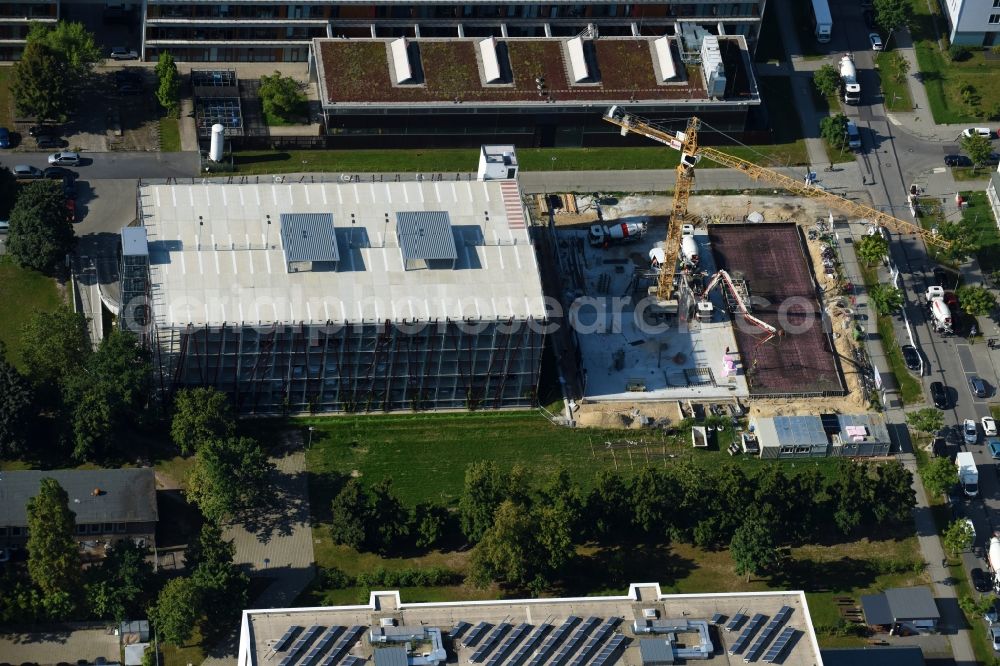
(21, 293)
(464, 160)
(979, 220)
(895, 95)
(944, 78)
(170, 135)
(909, 388)
(968, 173)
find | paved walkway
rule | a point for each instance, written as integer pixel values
(276, 544)
(60, 644)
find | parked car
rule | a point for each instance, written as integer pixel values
(991, 616)
(876, 41)
(939, 394)
(980, 131)
(26, 172)
(993, 444)
(122, 53)
(65, 158)
(980, 581)
(970, 433)
(4, 226)
(4, 137)
(48, 141)
(995, 638)
(989, 426)
(69, 187)
(977, 386)
(957, 161)
(911, 357)
(43, 130)
(58, 172)
(869, 19)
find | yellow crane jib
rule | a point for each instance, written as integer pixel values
(687, 144)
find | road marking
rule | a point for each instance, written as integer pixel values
(939, 169)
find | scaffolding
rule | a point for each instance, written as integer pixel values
(369, 367)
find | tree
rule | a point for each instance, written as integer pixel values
(40, 84)
(872, 249)
(560, 493)
(939, 476)
(975, 608)
(16, 408)
(200, 414)
(521, 547)
(894, 497)
(54, 346)
(834, 130)
(486, 487)
(891, 15)
(961, 238)
(976, 301)
(108, 394)
(927, 419)
(958, 536)
(53, 555)
(40, 235)
(609, 509)
(852, 492)
(281, 96)
(885, 298)
(223, 586)
(72, 43)
(230, 478)
(752, 548)
(168, 91)
(349, 515)
(978, 148)
(116, 589)
(390, 521)
(827, 80)
(177, 610)
(429, 524)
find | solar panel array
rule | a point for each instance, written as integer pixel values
(554, 640)
(765, 636)
(737, 620)
(575, 640)
(286, 638)
(774, 653)
(343, 645)
(351, 660)
(476, 633)
(519, 632)
(321, 645)
(529, 645)
(459, 629)
(490, 642)
(748, 631)
(608, 654)
(300, 645)
(599, 636)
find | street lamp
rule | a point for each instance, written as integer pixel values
(553, 158)
(310, 437)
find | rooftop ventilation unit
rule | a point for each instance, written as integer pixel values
(713, 69)
(491, 62)
(307, 239)
(426, 239)
(401, 60)
(578, 60)
(665, 58)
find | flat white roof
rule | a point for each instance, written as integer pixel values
(491, 63)
(214, 258)
(577, 60)
(665, 58)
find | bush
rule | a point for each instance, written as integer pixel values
(385, 578)
(335, 579)
(959, 53)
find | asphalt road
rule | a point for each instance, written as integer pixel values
(117, 165)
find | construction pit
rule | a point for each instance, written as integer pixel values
(647, 367)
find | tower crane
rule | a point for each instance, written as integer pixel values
(691, 153)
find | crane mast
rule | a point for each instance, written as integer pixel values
(691, 152)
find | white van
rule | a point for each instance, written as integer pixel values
(853, 136)
(980, 131)
(4, 226)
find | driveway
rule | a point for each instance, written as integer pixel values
(61, 643)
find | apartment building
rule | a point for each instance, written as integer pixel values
(249, 31)
(973, 22)
(15, 18)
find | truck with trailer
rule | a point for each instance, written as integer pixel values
(601, 235)
(939, 310)
(822, 21)
(968, 473)
(849, 80)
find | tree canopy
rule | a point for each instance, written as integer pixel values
(53, 555)
(827, 80)
(200, 414)
(978, 148)
(177, 611)
(939, 476)
(885, 298)
(73, 43)
(753, 548)
(486, 487)
(891, 15)
(281, 96)
(17, 401)
(834, 130)
(230, 478)
(168, 90)
(872, 248)
(54, 346)
(958, 536)
(117, 588)
(40, 84)
(927, 419)
(40, 235)
(976, 300)
(369, 518)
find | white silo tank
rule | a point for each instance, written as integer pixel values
(215, 151)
